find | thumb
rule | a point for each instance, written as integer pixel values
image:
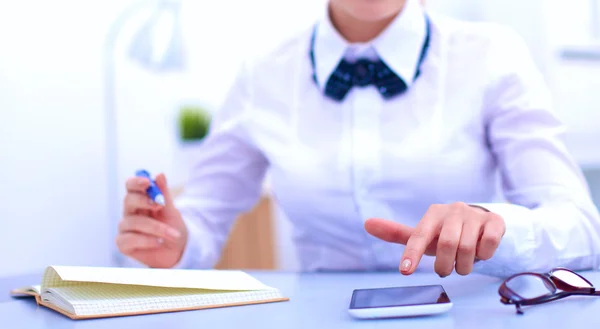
(388, 230)
(161, 182)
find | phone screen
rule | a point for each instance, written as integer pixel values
(400, 296)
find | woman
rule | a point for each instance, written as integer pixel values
(386, 132)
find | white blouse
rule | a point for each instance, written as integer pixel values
(476, 126)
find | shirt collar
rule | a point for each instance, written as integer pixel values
(399, 45)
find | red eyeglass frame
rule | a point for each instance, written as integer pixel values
(552, 282)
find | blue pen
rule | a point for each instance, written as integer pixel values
(153, 191)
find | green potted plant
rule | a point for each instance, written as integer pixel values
(193, 125)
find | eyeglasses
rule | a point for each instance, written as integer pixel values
(525, 289)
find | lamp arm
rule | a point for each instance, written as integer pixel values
(111, 115)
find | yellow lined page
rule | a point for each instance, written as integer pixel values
(97, 299)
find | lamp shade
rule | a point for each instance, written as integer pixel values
(158, 44)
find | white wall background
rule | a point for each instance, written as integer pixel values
(53, 195)
(53, 163)
(52, 156)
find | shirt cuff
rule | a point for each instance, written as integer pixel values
(515, 250)
(190, 258)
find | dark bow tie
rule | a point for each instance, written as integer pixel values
(365, 72)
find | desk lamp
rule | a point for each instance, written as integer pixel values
(156, 46)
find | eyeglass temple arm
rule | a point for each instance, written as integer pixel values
(519, 310)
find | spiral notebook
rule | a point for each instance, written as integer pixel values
(95, 292)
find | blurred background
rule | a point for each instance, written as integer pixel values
(92, 90)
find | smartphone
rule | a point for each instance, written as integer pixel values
(399, 302)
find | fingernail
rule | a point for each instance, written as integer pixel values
(405, 265)
(173, 232)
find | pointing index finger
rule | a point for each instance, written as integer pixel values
(419, 240)
(388, 230)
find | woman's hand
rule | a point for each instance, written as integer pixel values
(456, 234)
(152, 234)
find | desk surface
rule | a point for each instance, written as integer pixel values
(321, 301)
